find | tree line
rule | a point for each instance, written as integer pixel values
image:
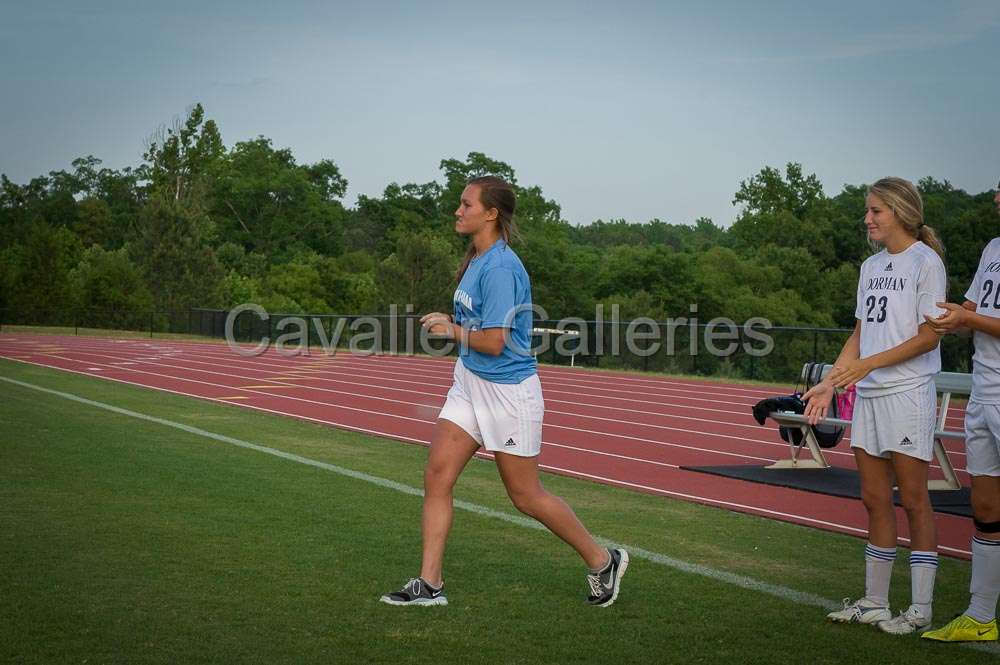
(200, 224)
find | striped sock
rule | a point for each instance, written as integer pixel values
(923, 568)
(878, 573)
(985, 584)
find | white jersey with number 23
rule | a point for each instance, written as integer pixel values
(895, 291)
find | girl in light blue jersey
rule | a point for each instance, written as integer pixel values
(496, 400)
(892, 357)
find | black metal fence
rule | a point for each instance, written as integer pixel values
(80, 320)
(708, 349)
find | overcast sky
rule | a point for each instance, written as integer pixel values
(632, 110)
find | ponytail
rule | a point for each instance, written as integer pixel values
(929, 237)
(903, 198)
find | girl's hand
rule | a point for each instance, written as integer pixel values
(954, 319)
(849, 373)
(437, 323)
(817, 401)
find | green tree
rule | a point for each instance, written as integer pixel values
(298, 281)
(352, 283)
(421, 272)
(174, 250)
(109, 290)
(179, 160)
(38, 275)
(267, 203)
(769, 192)
(667, 275)
(94, 224)
(376, 224)
(561, 274)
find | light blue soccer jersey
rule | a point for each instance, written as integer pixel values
(495, 292)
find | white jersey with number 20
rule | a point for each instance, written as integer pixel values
(985, 292)
(895, 291)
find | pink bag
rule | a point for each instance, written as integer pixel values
(845, 403)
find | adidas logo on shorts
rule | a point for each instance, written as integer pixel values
(906, 441)
(510, 442)
(888, 268)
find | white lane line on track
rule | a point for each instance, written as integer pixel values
(348, 360)
(417, 405)
(723, 576)
(365, 362)
(368, 371)
(410, 418)
(655, 442)
(440, 398)
(753, 509)
(597, 376)
(378, 360)
(445, 364)
(428, 422)
(392, 375)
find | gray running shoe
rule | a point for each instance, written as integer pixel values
(604, 585)
(416, 592)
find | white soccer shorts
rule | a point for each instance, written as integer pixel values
(902, 422)
(501, 417)
(982, 439)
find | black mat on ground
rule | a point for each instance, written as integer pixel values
(834, 481)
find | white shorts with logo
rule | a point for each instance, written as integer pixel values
(501, 417)
(982, 439)
(902, 422)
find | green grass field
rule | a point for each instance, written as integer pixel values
(125, 540)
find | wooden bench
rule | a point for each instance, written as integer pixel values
(947, 384)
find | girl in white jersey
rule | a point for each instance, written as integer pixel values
(495, 402)
(981, 313)
(892, 357)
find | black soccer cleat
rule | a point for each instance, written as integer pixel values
(604, 585)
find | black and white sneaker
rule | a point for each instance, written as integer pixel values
(604, 585)
(416, 592)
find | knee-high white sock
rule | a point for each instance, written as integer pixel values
(985, 584)
(923, 568)
(878, 573)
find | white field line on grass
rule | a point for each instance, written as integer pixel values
(741, 581)
(756, 510)
(153, 361)
(365, 367)
(445, 364)
(656, 442)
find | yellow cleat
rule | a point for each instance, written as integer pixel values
(964, 629)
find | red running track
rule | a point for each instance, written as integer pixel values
(620, 429)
